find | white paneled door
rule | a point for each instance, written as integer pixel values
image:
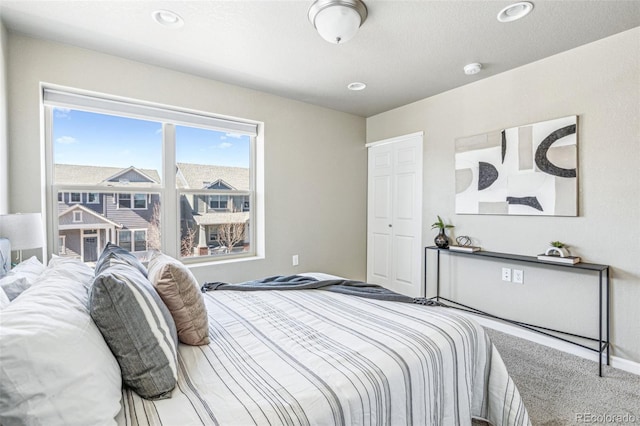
(394, 214)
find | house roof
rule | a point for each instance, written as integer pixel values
(73, 174)
(200, 176)
(80, 207)
(190, 176)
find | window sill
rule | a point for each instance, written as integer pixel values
(210, 262)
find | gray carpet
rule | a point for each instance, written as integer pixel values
(563, 389)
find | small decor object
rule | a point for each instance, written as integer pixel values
(463, 243)
(558, 252)
(441, 239)
(557, 248)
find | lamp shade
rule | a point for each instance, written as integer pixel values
(23, 230)
(337, 21)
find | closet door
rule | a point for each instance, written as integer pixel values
(394, 214)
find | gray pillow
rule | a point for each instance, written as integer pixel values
(116, 255)
(138, 329)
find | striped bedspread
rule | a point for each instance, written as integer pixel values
(313, 357)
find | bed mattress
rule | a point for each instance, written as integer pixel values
(312, 357)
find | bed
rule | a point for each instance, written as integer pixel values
(304, 357)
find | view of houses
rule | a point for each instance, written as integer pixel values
(210, 224)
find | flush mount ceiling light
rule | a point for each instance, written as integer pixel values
(472, 69)
(356, 85)
(337, 21)
(515, 11)
(167, 18)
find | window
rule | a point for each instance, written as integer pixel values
(124, 201)
(218, 201)
(124, 239)
(60, 197)
(198, 172)
(139, 201)
(139, 242)
(77, 216)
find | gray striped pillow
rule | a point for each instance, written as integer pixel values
(116, 255)
(138, 328)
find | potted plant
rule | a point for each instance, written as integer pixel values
(441, 239)
(557, 248)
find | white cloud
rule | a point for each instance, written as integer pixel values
(233, 135)
(224, 145)
(66, 140)
(62, 112)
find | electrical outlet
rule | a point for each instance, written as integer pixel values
(294, 260)
(506, 274)
(518, 276)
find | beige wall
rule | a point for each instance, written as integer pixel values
(4, 150)
(599, 82)
(315, 159)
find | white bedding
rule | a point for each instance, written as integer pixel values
(312, 357)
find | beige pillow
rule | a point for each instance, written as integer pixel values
(180, 291)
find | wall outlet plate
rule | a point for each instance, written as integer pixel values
(518, 276)
(294, 260)
(506, 274)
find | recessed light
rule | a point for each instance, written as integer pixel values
(168, 18)
(356, 85)
(515, 11)
(471, 69)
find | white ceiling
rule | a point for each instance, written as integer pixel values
(405, 51)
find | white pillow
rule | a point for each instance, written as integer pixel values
(4, 300)
(55, 367)
(21, 277)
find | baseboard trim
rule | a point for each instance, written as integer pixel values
(616, 362)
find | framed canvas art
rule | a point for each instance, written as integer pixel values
(525, 170)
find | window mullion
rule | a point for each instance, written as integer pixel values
(169, 205)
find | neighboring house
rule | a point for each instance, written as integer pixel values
(212, 215)
(88, 220)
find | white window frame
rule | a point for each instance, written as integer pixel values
(71, 194)
(130, 199)
(96, 200)
(53, 96)
(119, 242)
(77, 216)
(133, 239)
(133, 202)
(219, 197)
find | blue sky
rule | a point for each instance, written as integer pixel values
(87, 138)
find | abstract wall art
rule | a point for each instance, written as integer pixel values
(526, 170)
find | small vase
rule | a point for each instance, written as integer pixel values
(441, 239)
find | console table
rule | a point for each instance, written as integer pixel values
(603, 296)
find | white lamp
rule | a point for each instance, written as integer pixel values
(337, 21)
(23, 230)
